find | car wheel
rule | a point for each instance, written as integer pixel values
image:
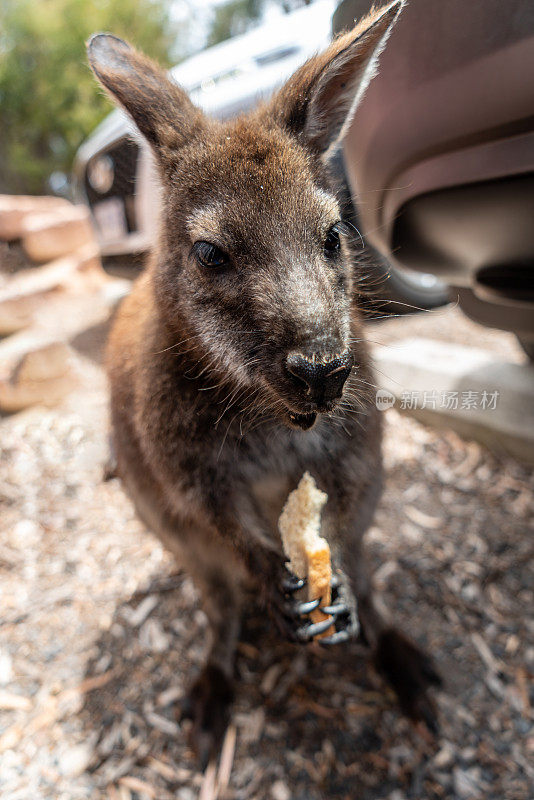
(395, 291)
(389, 290)
(528, 346)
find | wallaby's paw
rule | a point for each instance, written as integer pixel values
(344, 612)
(208, 707)
(411, 673)
(292, 615)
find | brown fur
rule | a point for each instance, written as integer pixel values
(201, 401)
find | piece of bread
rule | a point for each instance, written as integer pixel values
(307, 551)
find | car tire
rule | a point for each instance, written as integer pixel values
(527, 345)
(390, 291)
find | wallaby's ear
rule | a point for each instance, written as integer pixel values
(162, 110)
(317, 103)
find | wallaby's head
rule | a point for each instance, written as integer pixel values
(252, 261)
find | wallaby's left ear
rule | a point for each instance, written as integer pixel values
(317, 103)
(161, 109)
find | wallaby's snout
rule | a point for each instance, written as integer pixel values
(312, 335)
(321, 377)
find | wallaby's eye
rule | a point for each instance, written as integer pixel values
(332, 242)
(210, 256)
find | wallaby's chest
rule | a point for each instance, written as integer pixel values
(273, 467)
(270, 494)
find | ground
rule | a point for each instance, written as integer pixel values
(100, 632)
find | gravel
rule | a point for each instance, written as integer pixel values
(100, 632)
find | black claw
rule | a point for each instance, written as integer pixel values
(307, 633)
(293, 584)
(335, 581)
(291, 610)
(337, 638)
(336, 609)
(302, 609)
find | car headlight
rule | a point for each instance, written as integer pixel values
(101, 173)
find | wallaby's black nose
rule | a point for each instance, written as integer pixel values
(323, 378)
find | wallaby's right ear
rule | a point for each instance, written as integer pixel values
(161, 110)
(317, 103)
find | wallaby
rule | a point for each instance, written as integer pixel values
(238, 361)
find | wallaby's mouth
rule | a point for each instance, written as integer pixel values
(304, 401)
(302, 421)
(305, 420)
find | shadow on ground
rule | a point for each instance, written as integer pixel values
(313, 725)
(451, 553)
(319, 723)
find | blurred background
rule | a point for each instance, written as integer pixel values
(47, 89)
(100, 632)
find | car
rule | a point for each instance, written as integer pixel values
(440, 154)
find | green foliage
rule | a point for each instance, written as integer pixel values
(239, 16)
(49, 100)
(233, 18)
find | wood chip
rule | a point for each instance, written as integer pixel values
(227, 760)
(270, 678)
(169, 771)
(137, 785)
(125, 793)
(207, 790)
(485, 654)
(422, 519)
(169, 696)
(73, 556)
(14, 702)
(162, 724)
(137, 616)
(522, 684)
(94, 682)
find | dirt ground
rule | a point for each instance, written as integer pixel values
(100, 632)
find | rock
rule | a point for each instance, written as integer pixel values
(57, 304)
(15, 208)
(42, 376)
(62, 298)
(32, 290)
(16, 312)
(56, 233)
